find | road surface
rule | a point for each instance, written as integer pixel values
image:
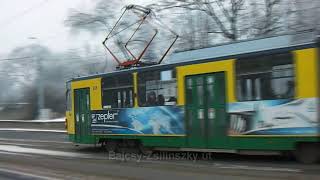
(43, 155)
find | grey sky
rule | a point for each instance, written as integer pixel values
(43, 19)
(20, 20)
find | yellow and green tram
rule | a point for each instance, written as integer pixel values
(257, 96)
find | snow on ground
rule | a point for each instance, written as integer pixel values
(33, 121)
(32, 130)
(20, 149)
(18, 125)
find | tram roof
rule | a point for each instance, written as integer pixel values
(227, 50)
(244, 47)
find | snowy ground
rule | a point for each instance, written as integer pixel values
(46, 121)
(33, 130)
(51, 125)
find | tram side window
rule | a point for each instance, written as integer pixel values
(157, 88)
(68, 97)
(117, 91)
(265, 78)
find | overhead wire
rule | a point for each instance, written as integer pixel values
(32, 58)
(12, 59)
(12, 19)
(51, 58)
(28, 10)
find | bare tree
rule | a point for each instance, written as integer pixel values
(266, 17)
(237, 19)
(100, 19)
(22, 73)
(194, 27)
(306, 15)
(224, 13)
(19, 76)
(185, 23)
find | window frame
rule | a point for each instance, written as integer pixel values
(265, 74)
(118, 88)
(143, 95)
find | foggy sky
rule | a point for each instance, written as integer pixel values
(41, 21)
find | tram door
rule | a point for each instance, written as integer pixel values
(82, 113)
(205, 110)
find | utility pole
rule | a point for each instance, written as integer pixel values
(42, 113)
(40, 91)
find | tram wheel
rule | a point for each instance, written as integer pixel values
(307, 153)
(111, 145)
(145, 150)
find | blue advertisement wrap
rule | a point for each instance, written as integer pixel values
(274, 117)
(159, 120)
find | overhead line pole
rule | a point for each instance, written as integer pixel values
(40, 91)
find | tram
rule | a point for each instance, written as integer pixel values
(259, 95)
